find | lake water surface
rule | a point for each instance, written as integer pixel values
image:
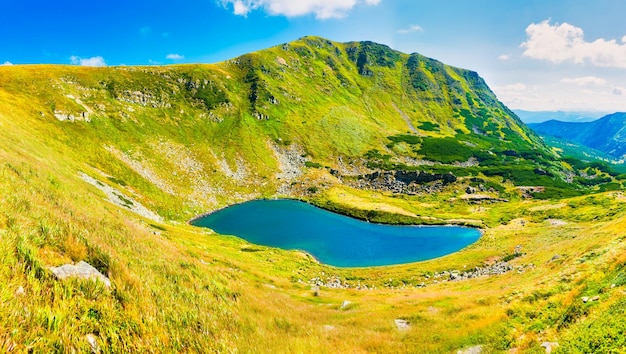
(335, 239)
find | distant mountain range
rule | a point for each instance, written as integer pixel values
(542, 116)
(607, 134)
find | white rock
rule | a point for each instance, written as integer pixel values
(20, 291)
(401, 324)
(477, 349)
(549, 346)
(93, 342)
(81, 270)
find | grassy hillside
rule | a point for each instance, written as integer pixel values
(106, 165)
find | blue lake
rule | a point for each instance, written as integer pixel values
(335, 239)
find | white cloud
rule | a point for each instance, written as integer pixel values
(504, 57)
(6, 63)
(322, 9)
(239, 8)
(565, 43)
(619, 91)
(93, 61)
(174, 56)
(412, 28)
(584, 81)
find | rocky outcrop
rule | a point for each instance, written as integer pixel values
(407, 182)
(143, 99)
(69, 117)
(118, 198)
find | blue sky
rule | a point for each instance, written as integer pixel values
(535, 54)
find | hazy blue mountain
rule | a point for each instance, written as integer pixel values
(542, 116)
(607, 134)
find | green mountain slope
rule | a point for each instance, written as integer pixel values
(241, 123)
(106, 165)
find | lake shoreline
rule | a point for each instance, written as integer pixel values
(346, 212)
(335, 239)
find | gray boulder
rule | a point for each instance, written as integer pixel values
(82, 270)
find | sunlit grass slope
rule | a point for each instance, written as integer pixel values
(183, 140)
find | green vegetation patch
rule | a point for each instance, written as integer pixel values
(446, 150)
(429, 126)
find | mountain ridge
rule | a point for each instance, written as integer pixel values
(359, 102)
(565, 116)
(606, 134)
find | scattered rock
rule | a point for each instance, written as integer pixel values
(315, 290)
(585, 299)
(333, 282)
(407, 182)
(20, 291)
(401, 324)
(477, 349)
(556, 222)
(549, 346)
(555, 257)
(528, 191)
(345, 304)
(478, 198)
(470, 190)
(63, 117)
(93, 343)
(595, 298)
(329, 328)
(495, 269)
(81, 270)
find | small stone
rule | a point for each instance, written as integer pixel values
(595, 298)
(401, 324)
(612, 286)
(20, 291)
(549, 346)
(93, 343)
(316, 290)
(477, 349)
(345, 304)
(585, 298)
(329, 328)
